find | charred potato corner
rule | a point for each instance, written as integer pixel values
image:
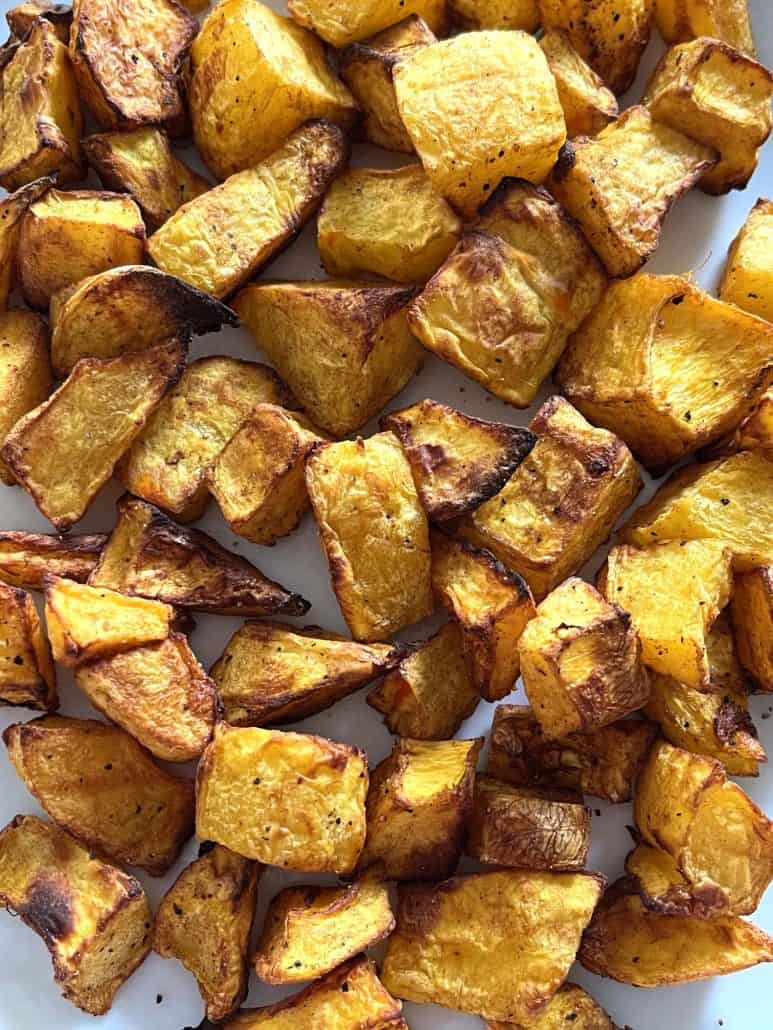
(498, 617)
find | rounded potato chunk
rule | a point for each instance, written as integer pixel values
(748, 278)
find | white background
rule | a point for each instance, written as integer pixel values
(162, 995)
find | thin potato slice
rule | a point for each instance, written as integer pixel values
(353, 20)
(12, 209)
(752, 612)
(27, 558)
(570, 1006)
(22, 18)
(748, 277)
(27, 675)
(25, 371)
(587, 103)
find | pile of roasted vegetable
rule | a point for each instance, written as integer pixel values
(509, 245)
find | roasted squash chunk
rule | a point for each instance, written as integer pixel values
(495, 14)
(25, 371)
(22, 18)
(94, 919)
(587, 103)
(12, 210)
(27, 675)
(748, 278)
(27, 558)
(353, 20)
(682, 20)
(752, 611)
(570, 1006)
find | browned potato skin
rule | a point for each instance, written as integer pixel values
(26, 558)
(752, 611)
(25, 371)
(12, 209)
(93, 918)
(22, 17)
(27, 675)
(205, 919)
(104, 789)
(569, 1005)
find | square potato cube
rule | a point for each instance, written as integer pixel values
(569, 1005)
(465, 99)
(374, 533)
(27, 674)
(682, 20)
(587, 103)
(25, 371)
(621, 184)
(419, 802)
(285, 799)
(752, 612)
(351, 20)
(93, 917)
(666, 367)
(27, 558)
(495, 14)
(562, 501)
(748, 278)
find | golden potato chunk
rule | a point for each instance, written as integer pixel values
(605, 763)
(419, 801)
(286, 799)
(27, 675)
(224, 237)
(93, 918)
(65, 450)
(309, 931)
(258, 479)
(25, 371)
(27, 558)
(561, 503)
(665, 890)
(343, 347)
(97, 783)
(495, 14)
(621, 184)
(40, 116)
(682, 20)
(22, 18)
(353, 20)
(667, 367)
(274, 673)
(454, 939)
(205, 919)
(748, 278)
(374, 534)
(463, 99)
(570, 1006)
(168, 463)
(587, 104)
(753, 433)
(430, 693)
(12, 210)
(752, 612)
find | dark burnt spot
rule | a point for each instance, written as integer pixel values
(48, 910)
(565, 162)
(731, 720)
(431, 455)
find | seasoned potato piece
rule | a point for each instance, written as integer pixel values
(495, 14)
(570, 1006)
(286, 799)
(605, 763)
(748, 278)
(587, 103)
(353, 20)
(25, 371)
(226, 236)
(462, 99)
(373, 532)
(205, 919)
(65, 450)
(26, 558)
(310, 930)
(344, 347)
(22, 18)
(665, 890)
(27, 675)
(430, 693)
(561, 502)
(666, 367)
(97, 783)
(12, 210)
(93, 918)
(128, 57)
(258, 479)
(40, 116)
(419, 801)
(527, 827)
(454, 939)
(752, 612)
(627, 943)
(621, 184)
(169, 460)
(682, 20)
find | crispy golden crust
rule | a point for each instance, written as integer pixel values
(682, 20)
(27, 675)
(25, 371)
(354, 20)
(27, 558)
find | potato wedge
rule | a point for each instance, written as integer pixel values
(430, 693)
(752, 612)
(286, 799)
(561, 503)
(309, 931)
(93, 918)
(569, 1005)
(453, 939)
(621, 184)
(495, 14)
(419, 801)
(587, 104)
(205, 919)
(374, 533)
(27, 675)
(747, 281)
(682, 20)
(27, 558)
(98, 784)
(12, 210)
(22, 18)
(25, 371)
(354, 20)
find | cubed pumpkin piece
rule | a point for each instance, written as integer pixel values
(587, 103)
(748, 278)
(27, 675)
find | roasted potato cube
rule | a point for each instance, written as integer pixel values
(665, 890)
(430, 693)
(169, 461)
(87, 622)
(40, 116)
(286, 799)
(12, 210)
(258, 479)
(97, 783)
(621, 184)
(27, 675)
(309, 931)
(273, 673)
(561, 503)
(752, 612)
(666, 367)
(454, 939)
(682, 20)
(22, 18)
(419, 801)
(527, 827)
(373, 532)
(224, 237)
(344, 347)
(587, 104)
(495, 14)
(748, 278)
(457, 461)
(147, 554)
(606, 763)
(128, 56)
(65, 450)
(93, 918)
(496, 86)
(26, 558)
(25, 371)
(353, 20)
(205, 919)
(570, 1006)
